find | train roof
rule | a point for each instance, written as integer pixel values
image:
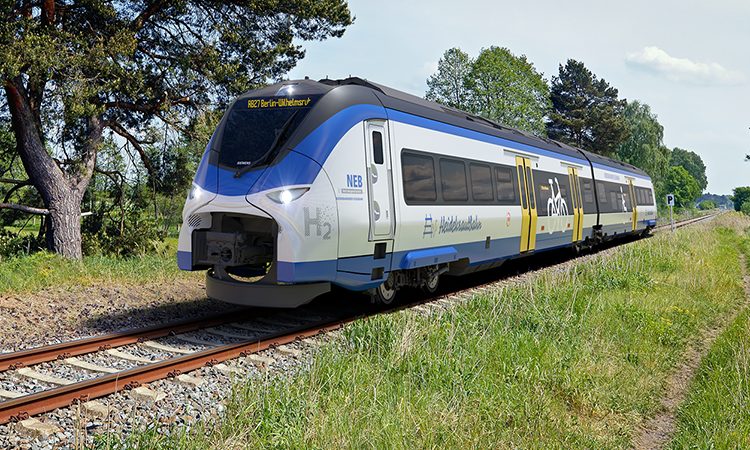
(352, 94)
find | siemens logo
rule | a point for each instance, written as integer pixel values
(354, 181)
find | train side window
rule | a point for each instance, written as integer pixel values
(453, 180)
(419, 178)
(588, 192)
(601, 192)
(481, 182)
(504, 185)
(377, 147)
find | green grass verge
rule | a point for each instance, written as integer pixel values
(574, 359)
(42, 270)
(716, 413)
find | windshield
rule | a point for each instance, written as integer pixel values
(254, 126)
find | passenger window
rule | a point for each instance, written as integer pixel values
(505, 187)
(601, 192)
(377, 147)
(532, 203)
(481, 182)
(419, 178)
(588, 193)
(522, 182)
(453, 180)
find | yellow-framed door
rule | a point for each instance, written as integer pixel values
(524, 201)
(532, 203)
(633, 203)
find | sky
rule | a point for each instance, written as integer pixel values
(689, 60)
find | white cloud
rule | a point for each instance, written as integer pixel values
(659, 62)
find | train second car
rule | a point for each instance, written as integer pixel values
(307, 184)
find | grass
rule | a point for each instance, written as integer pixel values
(716, 413)
(43, 270)
(574, 359)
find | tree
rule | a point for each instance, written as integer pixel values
(73, 70)
(684, 187)
(692, 163)
(643, 147)
(508, 89)
(740, 195)
(586, 111)
(448, 85)
(745, 208)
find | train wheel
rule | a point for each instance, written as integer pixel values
(432, 283)
(385, 293)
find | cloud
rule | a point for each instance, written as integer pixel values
(659, 62)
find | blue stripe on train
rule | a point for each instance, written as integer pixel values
(356, 272)
(319, 144)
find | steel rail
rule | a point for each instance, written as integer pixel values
(45, 401)
(15, 360)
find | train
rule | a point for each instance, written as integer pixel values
(309, 185)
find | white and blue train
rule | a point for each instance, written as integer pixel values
(307, 184)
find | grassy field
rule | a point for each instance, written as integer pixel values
(574, 359)
(716, 413)
(41, 270)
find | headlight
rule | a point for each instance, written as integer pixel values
(195, 192)
(285, 196)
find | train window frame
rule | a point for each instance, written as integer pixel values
(443, 190)
(474, 185)
(504, 199)
(405, 183)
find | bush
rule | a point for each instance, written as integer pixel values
(745, 208)
(103, 234)
(14, 244)
(706, 204)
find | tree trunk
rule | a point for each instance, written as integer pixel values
(61, 191)
(64, 230)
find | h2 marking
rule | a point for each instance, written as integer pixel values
(318, 223)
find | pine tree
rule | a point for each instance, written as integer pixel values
(586, 111)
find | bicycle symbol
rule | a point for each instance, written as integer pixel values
(556, 205)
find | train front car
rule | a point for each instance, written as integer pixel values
(258, 193)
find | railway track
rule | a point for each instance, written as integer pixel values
(221, 337)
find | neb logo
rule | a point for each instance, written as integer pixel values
(354, 181)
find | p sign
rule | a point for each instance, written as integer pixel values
(670, 199)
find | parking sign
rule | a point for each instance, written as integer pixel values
(670, 199)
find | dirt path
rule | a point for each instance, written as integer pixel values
(658, 430)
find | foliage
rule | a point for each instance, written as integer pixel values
(740, 196)
(508, 89)
(684, 187)
(448, 85)
(72, 70)
(692, 163)
(745, 208)
(644, 147)
(721, 201)
(586, 111)
(497, 85)
(573, 358)
(15, 244)
(706, 205)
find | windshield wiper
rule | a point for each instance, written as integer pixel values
(276, 143)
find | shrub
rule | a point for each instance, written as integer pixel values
(14, 244)
(706, 204)
(745, 208)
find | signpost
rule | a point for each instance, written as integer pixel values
(670, 202)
